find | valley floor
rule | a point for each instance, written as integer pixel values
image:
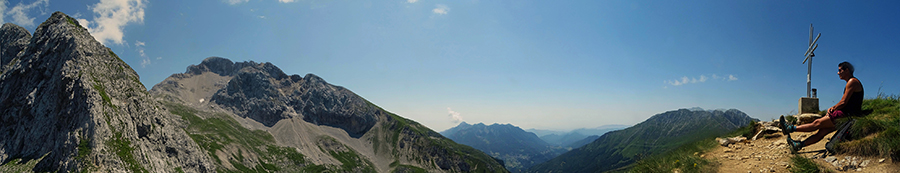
(774, 155)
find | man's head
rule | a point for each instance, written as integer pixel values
(845, 70)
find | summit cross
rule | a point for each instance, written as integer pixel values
(809, 55)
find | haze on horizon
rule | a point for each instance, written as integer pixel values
(534, 64)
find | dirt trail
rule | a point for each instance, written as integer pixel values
(774, 155)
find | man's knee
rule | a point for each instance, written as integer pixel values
(818, 122)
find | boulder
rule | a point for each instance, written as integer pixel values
(764, 127)
(731, 140)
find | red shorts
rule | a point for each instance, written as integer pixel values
(836, 114)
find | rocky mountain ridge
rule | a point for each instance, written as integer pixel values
(71, 104)
(319, 119)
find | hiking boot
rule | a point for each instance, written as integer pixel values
(785, 128)
(795, 145)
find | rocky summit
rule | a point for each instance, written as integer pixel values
(68, 103)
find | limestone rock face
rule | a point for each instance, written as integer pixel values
(71, 103)
(264, 93)
(13, 39)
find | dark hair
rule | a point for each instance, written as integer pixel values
(846, 66)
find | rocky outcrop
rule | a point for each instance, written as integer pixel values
(13, 39)
(264, 93)
(71, 103)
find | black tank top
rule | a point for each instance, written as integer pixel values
(854, 104)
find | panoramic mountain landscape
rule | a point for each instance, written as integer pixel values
(518, 149)
(412, 86)
(70, 104)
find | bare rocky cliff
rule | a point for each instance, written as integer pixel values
(70, 104)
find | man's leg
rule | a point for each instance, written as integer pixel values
(818, 136)
(821, 123)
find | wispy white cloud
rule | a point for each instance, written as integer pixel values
(261, 17)
(732, 78)
(110, 16)
(441, 9)
(454, 116)
(145, 60)
(286, 1)
(234, 2)
(700, 79)
(412, 1)
(19, 13)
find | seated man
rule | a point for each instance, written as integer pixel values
(850, 104)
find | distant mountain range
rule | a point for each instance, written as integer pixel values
(517, 148)
(571, 139)
(584, 131)
(658, 134)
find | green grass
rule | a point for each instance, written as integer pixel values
(477, 159)
(122, 148)
(73, 21)
(215, 132)
(288, 153)
(792, 119)
(16, 165)
(350, 161)
(876, 134)
(409, 169)
(800, 164)
(219, 130)
(84, 149)
(686, 158)
(102, 90)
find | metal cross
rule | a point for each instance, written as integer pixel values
(809, 55)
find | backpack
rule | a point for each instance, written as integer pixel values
(842, 134)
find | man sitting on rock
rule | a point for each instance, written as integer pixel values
(850, 104)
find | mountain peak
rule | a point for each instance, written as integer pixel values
(218, 65)
(13, 38)
(71, 103)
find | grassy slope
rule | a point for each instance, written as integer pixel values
(684, 158)
(876, 134)
(619, 149)
(429, 139)
(217, 131)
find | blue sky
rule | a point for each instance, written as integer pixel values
(535, 64)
